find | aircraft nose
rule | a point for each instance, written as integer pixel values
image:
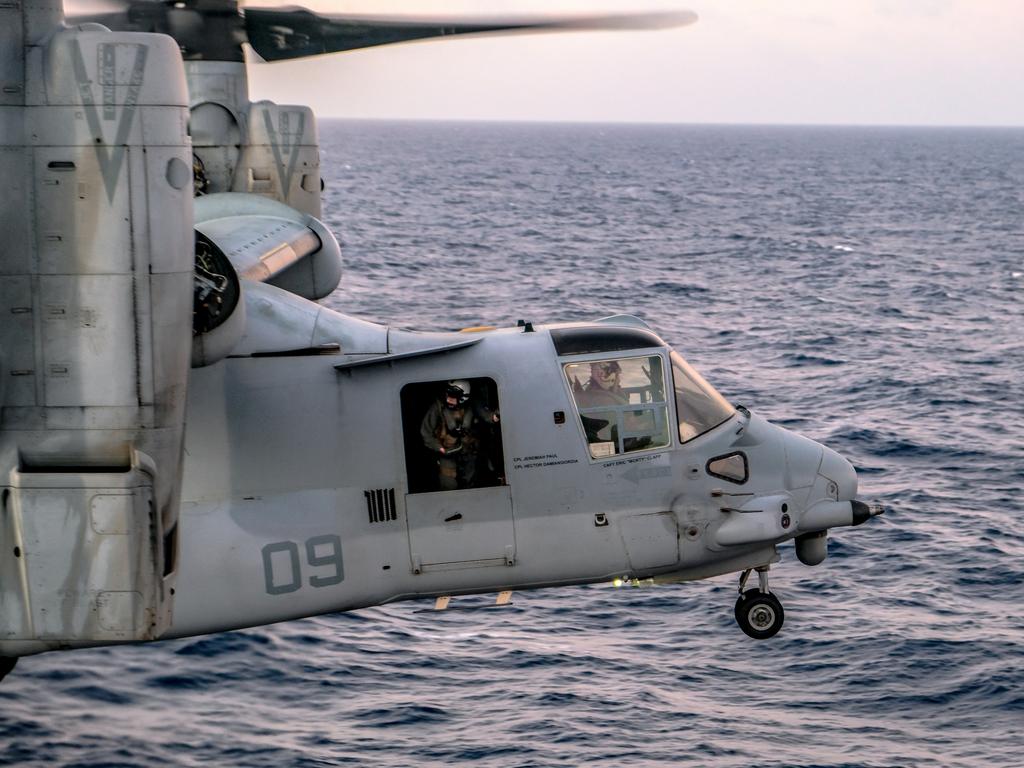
(841, 472)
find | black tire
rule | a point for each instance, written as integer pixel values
(759, 614)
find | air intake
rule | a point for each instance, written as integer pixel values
(380, 504)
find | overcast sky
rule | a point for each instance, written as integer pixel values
(889, 62)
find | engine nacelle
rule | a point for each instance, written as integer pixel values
(241, 239)
(96, 272)
(270, 242)
(263, 148)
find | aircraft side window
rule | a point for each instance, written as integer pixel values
(621, 403)
(699, 406)
(732, 467)
(452, 432)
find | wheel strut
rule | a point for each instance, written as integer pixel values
(762, 579)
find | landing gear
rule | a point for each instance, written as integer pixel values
(6, 665)
(758, 612)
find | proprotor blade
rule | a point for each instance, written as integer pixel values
(291, 33)
(76, 8)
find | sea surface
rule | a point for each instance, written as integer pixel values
(863, 286)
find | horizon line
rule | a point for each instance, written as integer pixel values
(695, 123)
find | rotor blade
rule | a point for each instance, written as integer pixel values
(111, 19)
(118, 15)
(291, 33)
(84, 8)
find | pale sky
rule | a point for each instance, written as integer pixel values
(888, 62)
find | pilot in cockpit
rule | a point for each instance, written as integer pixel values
(604, 387)
(604, 390)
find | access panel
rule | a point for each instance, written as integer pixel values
(461, 529)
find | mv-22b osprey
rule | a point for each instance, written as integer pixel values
(190, 444)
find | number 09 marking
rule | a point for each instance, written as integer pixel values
(283, 574)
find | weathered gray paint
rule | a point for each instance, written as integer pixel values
(283, 450)
(97, 283)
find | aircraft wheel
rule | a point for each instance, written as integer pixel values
(759, 614)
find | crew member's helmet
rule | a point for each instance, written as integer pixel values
(457, 393)
(605, 374)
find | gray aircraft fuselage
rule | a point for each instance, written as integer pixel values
(284, 451)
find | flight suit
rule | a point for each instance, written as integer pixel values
(448, 432)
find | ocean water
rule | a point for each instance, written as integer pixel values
(862, 286)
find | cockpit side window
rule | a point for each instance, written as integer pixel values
(699, 406)
(621, 402)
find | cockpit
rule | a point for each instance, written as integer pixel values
(622, 395)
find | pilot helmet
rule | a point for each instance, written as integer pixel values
(457, 393)
(605, 373)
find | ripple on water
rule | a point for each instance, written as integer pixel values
(861, 286)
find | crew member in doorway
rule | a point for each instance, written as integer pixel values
(449, 430)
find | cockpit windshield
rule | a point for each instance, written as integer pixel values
(700, 408)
